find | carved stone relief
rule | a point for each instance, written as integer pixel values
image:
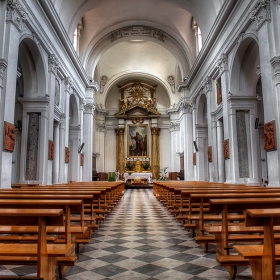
(137, 31)
(226, 148)
(57, 92)
(243, 159)
(174, 126)
(209, 154)
(32, 146)
(101, 126)
(137, 120)
(171, 81)
(269, 136)
(15, 14)
(82, 159)
(51, 150)
(9, 137)
(53, 63)
(67, 155)
(103, 82)
(194, 158)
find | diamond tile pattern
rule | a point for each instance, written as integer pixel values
(139, 240)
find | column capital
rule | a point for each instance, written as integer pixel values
(207, 85)
(275, 62)
(89, 108)
(261, 13)
(15, 14)
(101, 126)
(174, 126)
(222, 63)
(53, 63)
(155, 131)
(3, 66)
(186, 106)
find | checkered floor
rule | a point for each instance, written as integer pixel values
(141, 240)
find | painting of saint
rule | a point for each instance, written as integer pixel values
(137, 141)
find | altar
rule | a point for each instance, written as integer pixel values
(138, 177)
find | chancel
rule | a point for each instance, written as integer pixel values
(144, 111)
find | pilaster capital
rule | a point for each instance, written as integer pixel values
(223, 63)
(261, 13)
(155, 131)
(15, 14)
(101, 126)
(53, 63)
(119, 131)
(3, 66)
(207, 85)
(275, 62)
(185, 106)
(174, 126)
(89, 108)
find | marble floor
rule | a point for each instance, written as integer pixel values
(139, 240)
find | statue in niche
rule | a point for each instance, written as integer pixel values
(171, 81)
(9, 137)
(226, 148)
(67, 155)
(51, 150)
(269, 136)
(210, 154)
(103, 82)
(57, 92)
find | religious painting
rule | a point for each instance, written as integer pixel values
(226, 148)
(67, 155)
(51, 150)
(269, 136)
(209, 152)
(137, 141)
(9, 137)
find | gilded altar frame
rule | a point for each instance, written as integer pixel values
(137, 146)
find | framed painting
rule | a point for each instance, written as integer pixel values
(137, 140)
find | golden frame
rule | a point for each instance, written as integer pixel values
(140, 148)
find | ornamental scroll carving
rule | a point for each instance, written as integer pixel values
(209, 153)
(261, 13)
(15, 14)
(9, 137)
(269, 136)
(194, 158)
(226, 148)
(82, 159)
(67, 155)
(51, 150)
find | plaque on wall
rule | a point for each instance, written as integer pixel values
(194, 158)
(51, 150)
(226, 148)
(269, 136)
(9, 137)
(67, 155)
(82, 159)
(209, 152)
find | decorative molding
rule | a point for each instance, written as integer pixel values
(226, 148)
(171, 81)
(89, 108)
(51, 150)
(82, 160)
(9, 137)
(223, 63)
(261, 13)
(240, 39)
(194, 158)
(53, 63)
(15, 14)
(103, 82)
(174, 126)
(137, 30)
(209, 153)
(185, 106)
(3, 66)
(67, 155)
(101, 126)
(269, 136)
(207, 85)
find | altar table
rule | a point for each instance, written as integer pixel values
(138, 175)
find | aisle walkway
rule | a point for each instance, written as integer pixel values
(141, 240)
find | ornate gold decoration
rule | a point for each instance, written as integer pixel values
(137, 100)
(9, 137)
(269, 136)
(137, 120)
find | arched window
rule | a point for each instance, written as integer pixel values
(198, 36)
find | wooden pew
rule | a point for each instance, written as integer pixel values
(262, 257)
(45, 254)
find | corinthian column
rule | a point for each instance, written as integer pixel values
(155, 150)
(120, 149)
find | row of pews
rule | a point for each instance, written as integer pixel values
(242, 221)
(46, 226)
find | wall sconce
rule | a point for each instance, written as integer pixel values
(81, 147)
(19, 125)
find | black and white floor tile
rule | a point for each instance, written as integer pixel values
(141, 240)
